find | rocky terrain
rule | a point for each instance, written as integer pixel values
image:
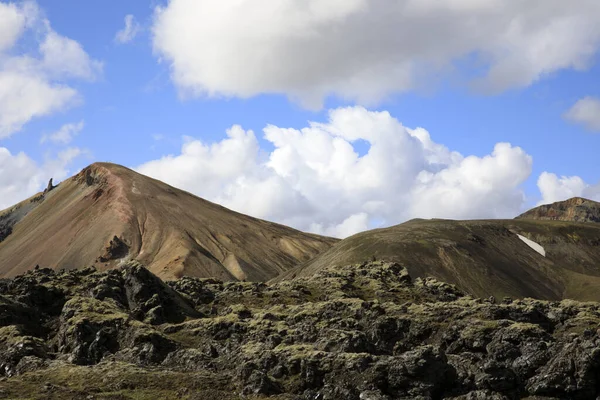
(359, 332)
(483, 258)
(107, 215)
(576, 209)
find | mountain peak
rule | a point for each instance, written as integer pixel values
(107, 215)
(103, 167)
(576, 209)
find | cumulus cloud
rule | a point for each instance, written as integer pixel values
(21, 176)
(129, 31)
(25, 96)
(64, 57)
(365, 50)
(554, 188)
(490, 182)
(13, 23)
(35, 83)
(586, 112)
(315, 180)
(65, 134)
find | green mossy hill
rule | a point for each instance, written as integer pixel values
(482, 258)
(364, 331)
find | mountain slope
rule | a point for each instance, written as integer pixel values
(482, 258)
(108, 214)
(576, 209)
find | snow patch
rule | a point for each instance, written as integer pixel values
(535, 246)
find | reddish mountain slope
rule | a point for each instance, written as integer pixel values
(108, 214)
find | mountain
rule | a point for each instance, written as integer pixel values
(108, 214)
(357, 332)
(518, 258)
(576, 209)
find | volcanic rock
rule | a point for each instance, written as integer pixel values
(366, 331)
(576, 209)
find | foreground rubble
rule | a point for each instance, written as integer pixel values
(363, 332)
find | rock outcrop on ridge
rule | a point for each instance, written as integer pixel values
(576, 209)
(358, 332)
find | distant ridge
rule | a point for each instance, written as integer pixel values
(108, 214)
(576, 209)
(519, 258)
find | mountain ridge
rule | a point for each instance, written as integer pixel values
(107, 214)
(481, 257)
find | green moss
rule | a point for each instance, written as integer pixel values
(88, 307)
(253, 348)
(115, 380)
(475, 327)
(187, 337)
(9, 333)
(424, 242)
(298, 351)
(525, 327)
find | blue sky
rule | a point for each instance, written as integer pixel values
(152, 95)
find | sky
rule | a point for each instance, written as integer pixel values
(331, 116)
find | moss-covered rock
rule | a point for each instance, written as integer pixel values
(361, 332)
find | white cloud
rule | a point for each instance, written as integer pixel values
(65, 134)
(586, 112)
(64, 57)
(26, 96)
(21, 177)
(315, 180)
(129, 32)
(490, 183)
(214, 164)
(35, 83)
(13, 23)
(365, 50)
(351, 225)
(554, 188)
